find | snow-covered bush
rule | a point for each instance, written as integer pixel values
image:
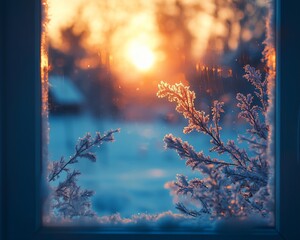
(68, 199)
(237, 187)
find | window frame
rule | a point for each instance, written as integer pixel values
(20, 128)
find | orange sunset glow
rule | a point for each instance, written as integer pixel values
(139, 34)
(141, 56)
(131, 45)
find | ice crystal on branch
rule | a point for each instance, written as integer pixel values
(82, 150)
(185, 105)
(255, 78)
(69, 200)
(193, 159)
(227, 188)
(250, 113)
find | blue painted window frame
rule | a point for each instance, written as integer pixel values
(20, 128)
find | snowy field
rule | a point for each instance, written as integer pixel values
(130, 173)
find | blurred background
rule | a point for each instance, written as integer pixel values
(106, 59)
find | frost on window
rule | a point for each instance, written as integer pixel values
(158, 113)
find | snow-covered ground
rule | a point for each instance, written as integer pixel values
(130, 173)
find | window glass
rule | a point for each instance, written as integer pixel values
(158, 112)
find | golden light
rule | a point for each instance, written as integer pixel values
(137, 33)
(141, 56)
(44, 64)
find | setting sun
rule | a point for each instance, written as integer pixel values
(141, 56)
